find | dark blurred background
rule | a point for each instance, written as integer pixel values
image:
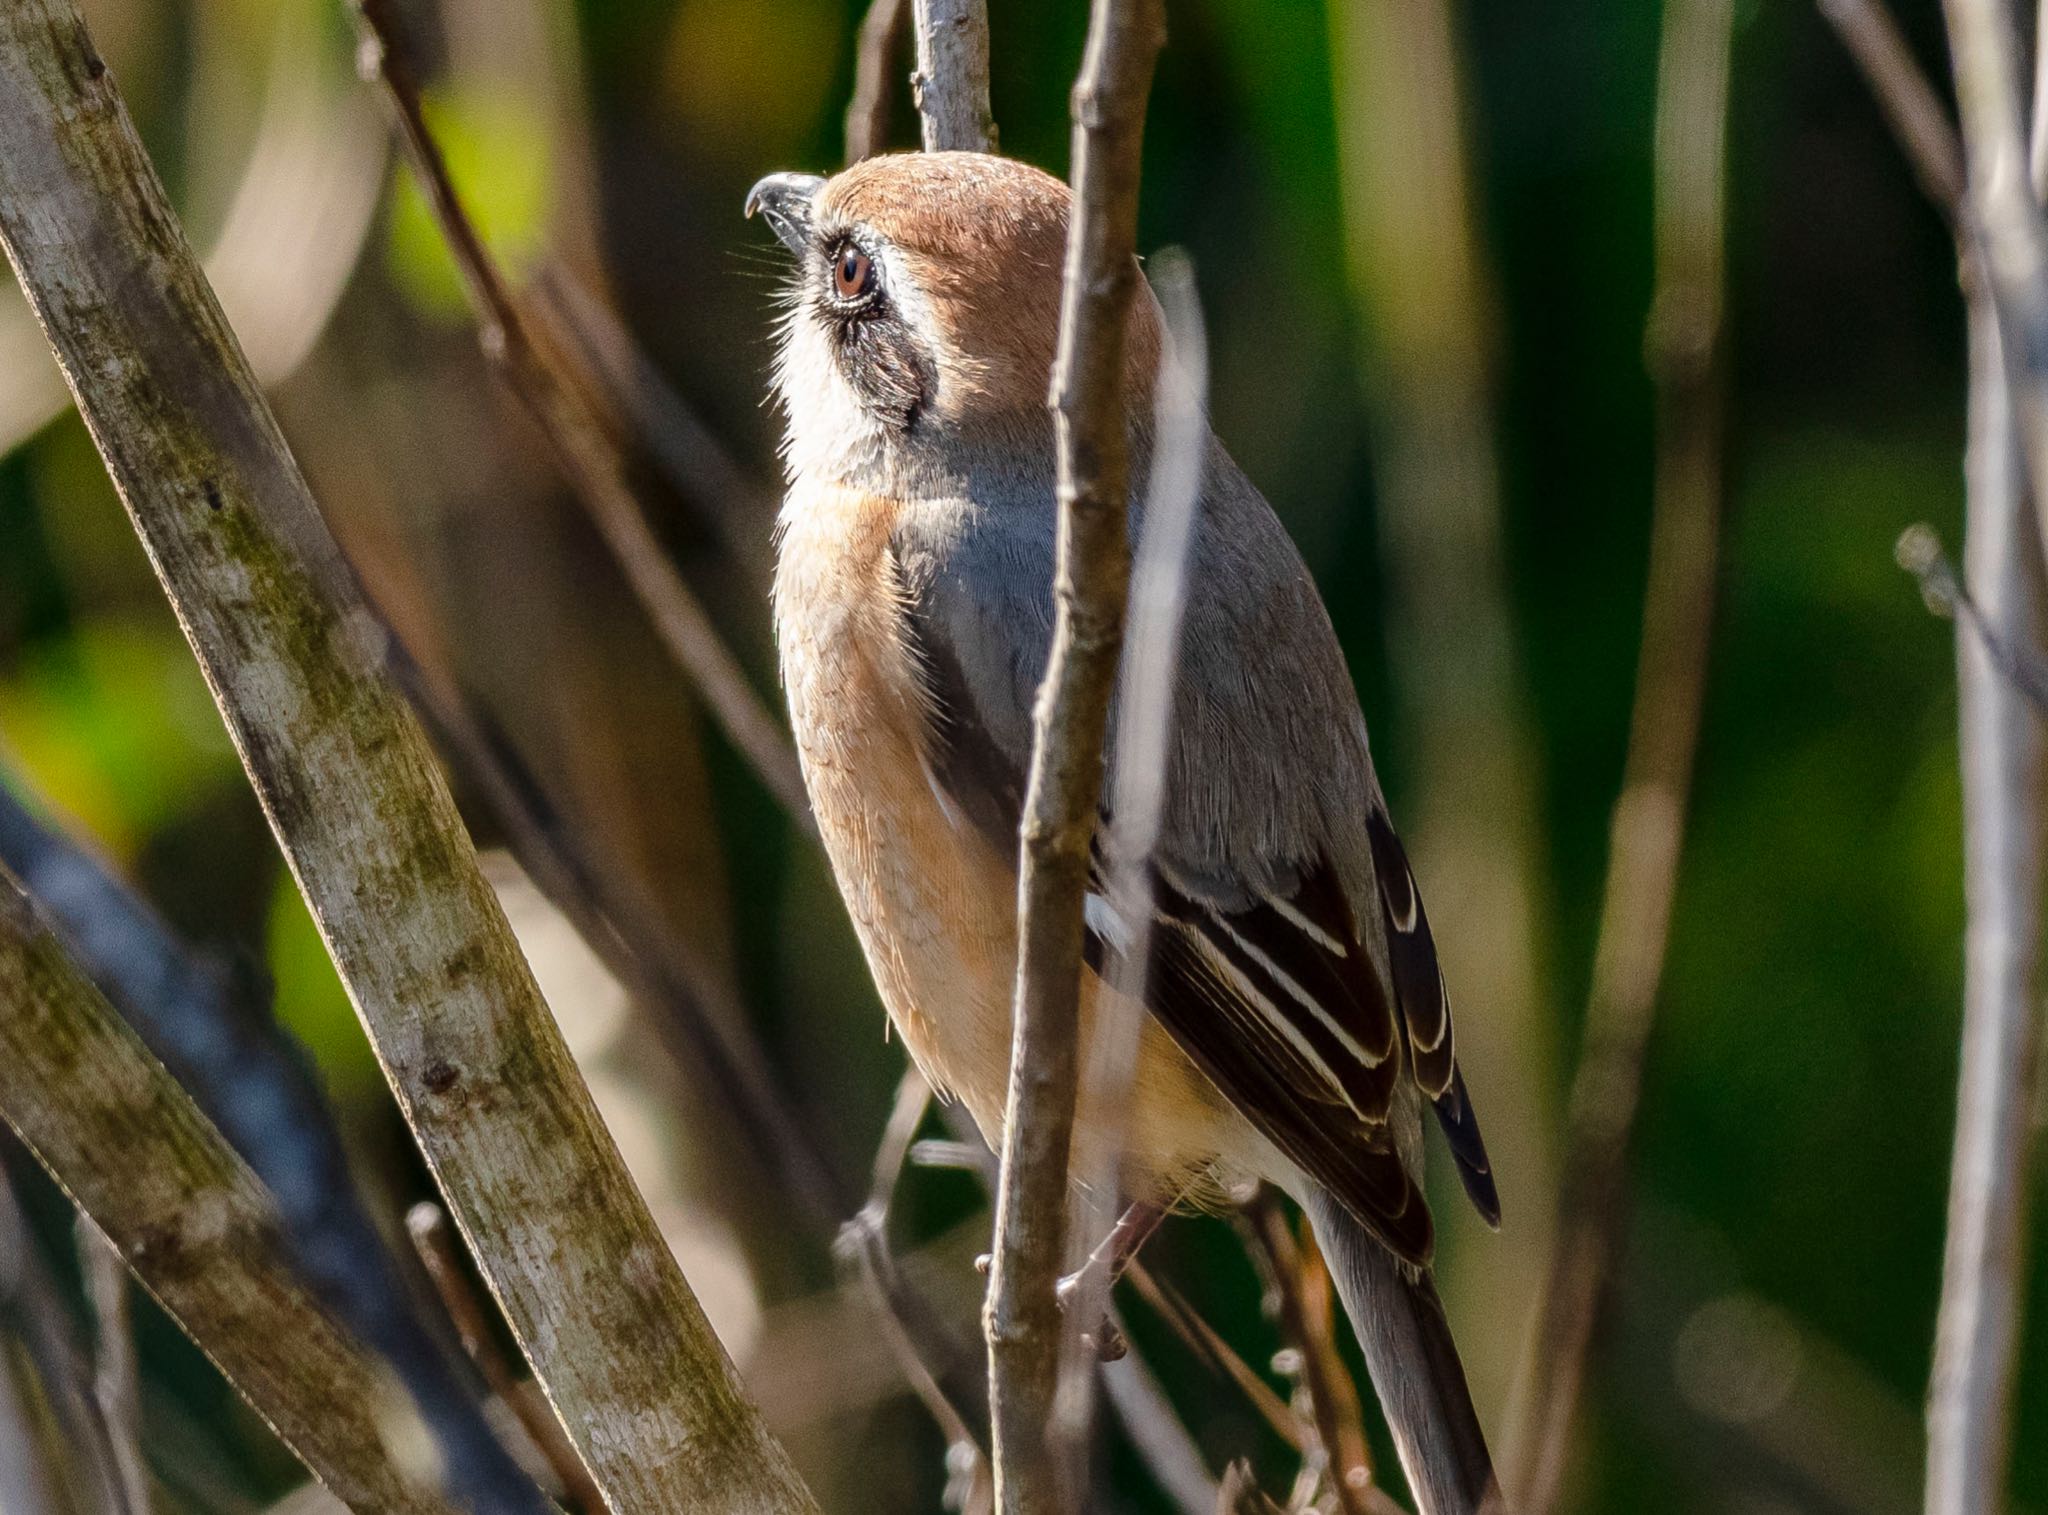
(1770, 1344)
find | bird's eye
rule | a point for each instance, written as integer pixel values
(853, 273)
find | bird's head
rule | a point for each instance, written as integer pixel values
(923, 316)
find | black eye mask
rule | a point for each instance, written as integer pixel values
(881, 361)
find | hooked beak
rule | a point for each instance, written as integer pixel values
(785, 201)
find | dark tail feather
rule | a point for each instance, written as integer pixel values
(1414, 1364)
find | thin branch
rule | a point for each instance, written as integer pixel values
(951, 82)
(1137, 781)
(351, 790)
(1918, 118)
(2004, 762)
(686, 452)
(1335, 1420)
(1133, 1390)
(134, 1153)
(2004, 759)
(2003, 251)
(1206, 1342)
(1134, 1393)
(585, 449)
(1331, 1376)
(116, 1386)
(875, 64)
(256, 1087)
(2008, 245)
(1919, 552)
(863, 1246)
(1646, 845)
(1065, 786)
(439, 1251)
(100, 1451)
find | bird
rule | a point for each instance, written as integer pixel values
(1298, 1022)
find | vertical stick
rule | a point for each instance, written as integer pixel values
(1649, 817)
(1071, 720)
(1144, 715)
(951, 82)
(2011, 239)
(2004, 766)
(2002, 628)
(1969, 1402)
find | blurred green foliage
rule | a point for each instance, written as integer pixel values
(1797, 1116)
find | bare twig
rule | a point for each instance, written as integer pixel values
(133, 1151)
(2010, 237)
(439, 1251)
(353, 795)
(1918, 118)
(2004, 758)
(116, 1388)
(1134, 1393)
(1204, 1341)
(1133, 1390)
(2003, 629)
(1335, 1420)
(876, 61)
(1683, 345)
(2004, 763)
(1072, 717)
(100, 1452)
(587, 452)
(1137, 783)
(1332, 1376)
(863, 1244)
(255, 1086)
(951, 82)
(1919, 552)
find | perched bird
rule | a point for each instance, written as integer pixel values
(1298, 1024)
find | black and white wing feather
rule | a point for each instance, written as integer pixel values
(1259, 967)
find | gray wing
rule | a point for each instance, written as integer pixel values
(1260, 968)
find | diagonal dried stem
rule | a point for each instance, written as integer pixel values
(254, 1085)
(1918, 118)
(356, 801)
(584, 447)
(439, 1251)
(189, 1217)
